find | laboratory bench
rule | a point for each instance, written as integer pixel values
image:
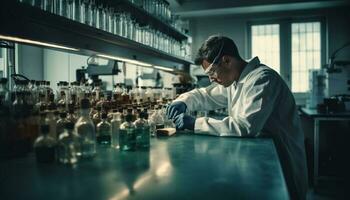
(183, 166)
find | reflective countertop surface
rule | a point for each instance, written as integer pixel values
(179, 167)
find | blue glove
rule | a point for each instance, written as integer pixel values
(175, 109)
(183, 121)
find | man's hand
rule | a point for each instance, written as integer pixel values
(183, 121)
(175, 108)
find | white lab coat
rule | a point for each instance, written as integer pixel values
(259, 104)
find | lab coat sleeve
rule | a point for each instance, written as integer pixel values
(257, 102)
(210, 98)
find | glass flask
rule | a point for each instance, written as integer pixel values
(103, 135)
(116, 122)
(142, 130)
(127, 137)
(86, 131)
(45, 146)
(68, 145)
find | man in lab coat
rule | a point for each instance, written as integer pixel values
(259, 104)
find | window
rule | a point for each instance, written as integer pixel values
(265, 44)
(291, 48)
(306, 53)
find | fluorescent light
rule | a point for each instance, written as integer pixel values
(164, 68)
(125, 60)
(16, 39)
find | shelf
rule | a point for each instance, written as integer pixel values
(144, 17)
(27, 22)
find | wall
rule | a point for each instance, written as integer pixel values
(30, 62)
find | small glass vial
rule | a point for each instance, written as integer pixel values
(68, 145)
(86, 130)
(104, 131)
(127, 137)
(45, 146)
(116, 122)
(142, 130)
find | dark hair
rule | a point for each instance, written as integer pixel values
(211, 48)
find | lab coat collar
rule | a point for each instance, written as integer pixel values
(252, 64)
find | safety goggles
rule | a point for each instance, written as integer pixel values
(212, 70)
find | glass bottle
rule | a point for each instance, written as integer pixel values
(152, 126)
(125, 96)
(41, 105)
(127, 137)
(78, 11)
(45, 146)
(101, 102)
(100, 17)
(158, 117)
(71, 9)
(168, 123)
(87, 13)
(63, 94)
(71, 117)
(118, 93)
(48, 90)
(142, 130)
(61, 123)
(116, 122)
(94, 14)
(4, 93)
(149, 95)
(97, 91)
(32, 90)
(104, 131)
(96, 118)
(68, 145)
(36, 91)
(80, 93)
(86, 130)
(61, 7)
(51, 121)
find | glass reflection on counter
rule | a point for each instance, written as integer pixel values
(143, 169)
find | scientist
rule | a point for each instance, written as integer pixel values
(259, 104)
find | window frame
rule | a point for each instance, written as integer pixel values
(285, 31)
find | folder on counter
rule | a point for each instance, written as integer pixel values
(166, 132)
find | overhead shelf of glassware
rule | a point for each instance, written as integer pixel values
(115, 29)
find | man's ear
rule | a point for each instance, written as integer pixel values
(205, 64)
(226, 59)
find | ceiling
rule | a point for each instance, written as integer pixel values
(199, 8)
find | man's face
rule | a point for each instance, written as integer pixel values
(223, 72)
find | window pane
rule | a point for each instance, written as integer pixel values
(265, 44)
(306, 53)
